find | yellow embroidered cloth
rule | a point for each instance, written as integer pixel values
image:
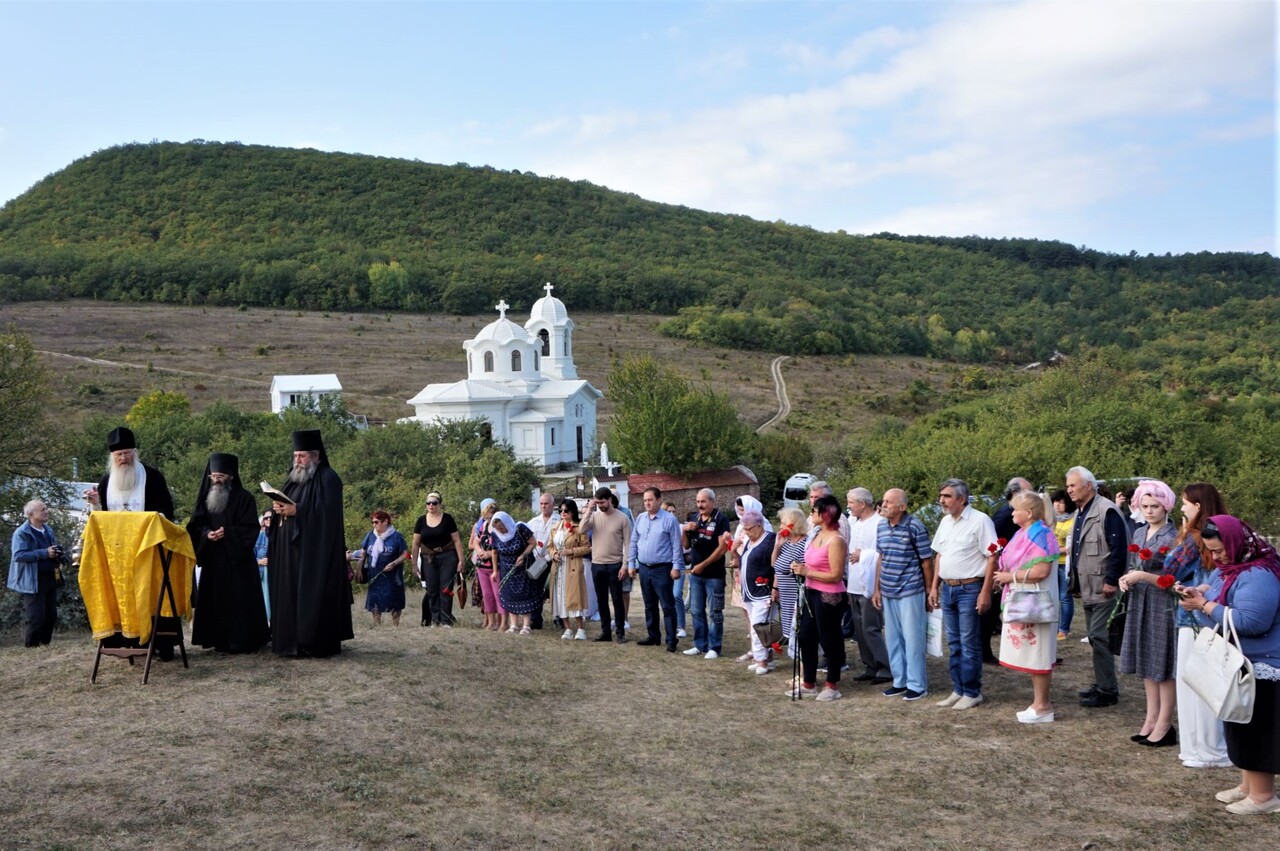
(121, 572)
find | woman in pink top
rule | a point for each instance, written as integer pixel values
(823, 601)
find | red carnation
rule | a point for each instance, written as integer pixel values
(786, 531)
(541, 544)
(568, 527)
(1133, 548)
(1003, 542)
(992, 548)
(1164, 551)
(1144, 554)
(1166, 581)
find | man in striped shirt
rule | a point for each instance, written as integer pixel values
(904, 571)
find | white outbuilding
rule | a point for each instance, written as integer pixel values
(289, 390)
(524, 383)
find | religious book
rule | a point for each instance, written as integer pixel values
(274, 495)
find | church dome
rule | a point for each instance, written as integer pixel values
(502, 330)
(549, 309)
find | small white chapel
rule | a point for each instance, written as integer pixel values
(523, 381)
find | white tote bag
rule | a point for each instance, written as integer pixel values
(1220, 674)
(933, 633)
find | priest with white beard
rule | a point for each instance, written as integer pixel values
(129, 485)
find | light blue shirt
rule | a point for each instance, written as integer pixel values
(655, 539)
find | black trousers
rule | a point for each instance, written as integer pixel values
(439, 571)
(821, 624)
(609, 587)
(40, 611)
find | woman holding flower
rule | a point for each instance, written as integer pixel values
(1246, 582)
(569, 550)
(788, 548)
(1148, 649)
(1030, 558)
(520, 595)
(1199, 729)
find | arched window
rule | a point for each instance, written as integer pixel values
(488, 361)
(566, 344)
(546, 342)
(515, 361)
(536, 365)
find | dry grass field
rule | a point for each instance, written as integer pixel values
(106, 354)
(427, 738)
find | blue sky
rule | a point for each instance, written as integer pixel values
(1121, 125)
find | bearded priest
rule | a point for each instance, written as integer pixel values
(129, 485)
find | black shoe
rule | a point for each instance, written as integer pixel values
(879, 681)
(1139, 738)
(1090, 691)
(649, 642)
(621, 639)
(671, 648)
(865, 677)
(604, 636)
(1100, 699)
(1168, 740)
(894, 691)
(559, 622)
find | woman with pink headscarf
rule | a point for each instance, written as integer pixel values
(1149, 647)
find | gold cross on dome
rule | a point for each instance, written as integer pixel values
(502, 308)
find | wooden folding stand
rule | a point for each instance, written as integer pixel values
(158, 628)
(126, 554)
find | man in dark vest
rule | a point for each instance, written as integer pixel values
(230, 614)
(307, 559)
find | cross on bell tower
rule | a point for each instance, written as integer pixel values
(502, 307)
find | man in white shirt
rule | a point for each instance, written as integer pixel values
(541, 525)
(868, 621)
(965, 547)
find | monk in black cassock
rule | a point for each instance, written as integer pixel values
(230, 616)
(307, 558)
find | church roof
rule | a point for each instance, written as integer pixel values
(548, 308)
(563, 389)
(502, 330)
(306, 383)
(466, 391)
(530, 415)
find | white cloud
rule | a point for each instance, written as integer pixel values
(1000, 115)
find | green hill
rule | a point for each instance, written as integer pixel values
(216, 223)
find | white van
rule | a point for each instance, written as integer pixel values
(795, 493)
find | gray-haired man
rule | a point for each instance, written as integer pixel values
(868, 621)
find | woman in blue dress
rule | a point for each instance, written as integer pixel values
(383, 553)
(520, 595)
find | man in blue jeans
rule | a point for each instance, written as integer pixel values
(704, 538)
(657, 552)
(965, 548)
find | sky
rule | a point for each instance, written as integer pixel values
(1124, 125)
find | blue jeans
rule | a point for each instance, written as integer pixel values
(677, 591)
(964, 638)
(704, 593)
(1064, 595)
(655, 587)
(904, 637)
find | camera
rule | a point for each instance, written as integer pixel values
(60, 555)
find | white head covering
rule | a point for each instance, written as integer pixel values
(507, 523)
(750, 503)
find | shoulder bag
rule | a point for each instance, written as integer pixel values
(1029, 602)
(1217, 670)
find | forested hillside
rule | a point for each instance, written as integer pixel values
(216, 223)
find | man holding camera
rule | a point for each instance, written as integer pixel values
(33, 573)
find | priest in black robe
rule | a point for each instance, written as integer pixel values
(230, 616)
(129, 485)
(307, 557)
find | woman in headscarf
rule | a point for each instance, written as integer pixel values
(570, 552)
(520, 595)
(1148, 649)
(733, 559)
(757, 586)
(481, 545)
(1200, 737)
(383, 553)
(1247, 582)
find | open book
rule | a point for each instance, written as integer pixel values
(274, 495)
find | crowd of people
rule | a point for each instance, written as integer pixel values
(868, 571)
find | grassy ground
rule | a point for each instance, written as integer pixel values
(469, 739)
(105, 355)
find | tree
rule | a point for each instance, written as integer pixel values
(29, 446)
(662, 422)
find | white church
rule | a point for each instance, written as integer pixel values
(523, 381)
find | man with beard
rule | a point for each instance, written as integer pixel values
(307, 559)
(129, 485)
(230, 614)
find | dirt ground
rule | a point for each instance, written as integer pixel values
(106, 354)
(429, 738)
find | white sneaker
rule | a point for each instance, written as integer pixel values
(745, 657)
(680, 633)
(580, 635)
(711, 654)
(626, 624)
(1030, 716)
(568, 635)
(950, 700)
(967, 702)
(828, 694)
(693, 651)
(761, 670)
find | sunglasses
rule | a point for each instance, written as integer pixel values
(1209, 530)
(433, 502)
